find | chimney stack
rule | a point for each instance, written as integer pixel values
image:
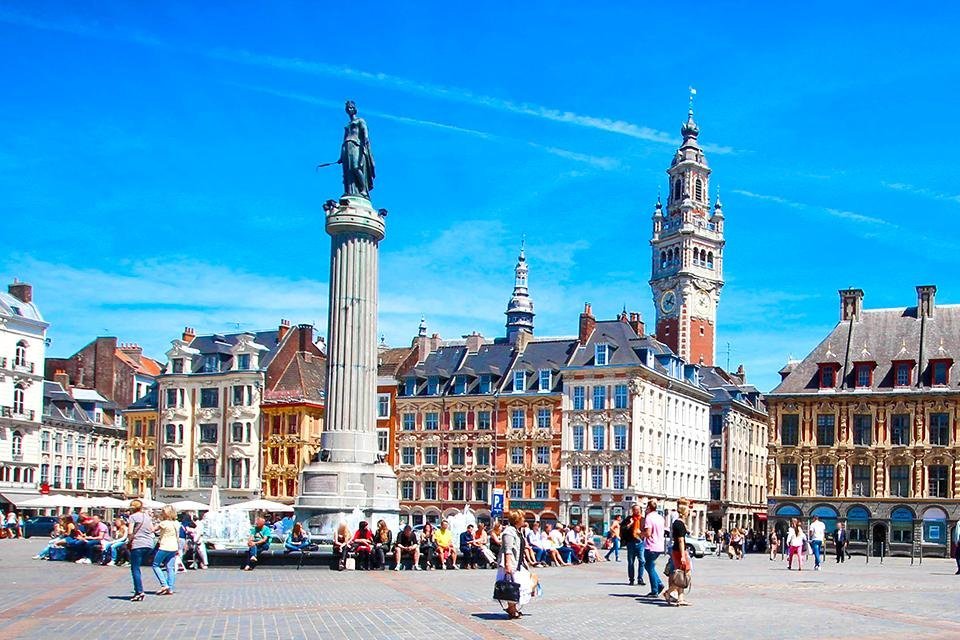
(851, 304)
(21, 291)
(742, 374)
(926, 295)
(133, 350)
(587, 323)
(434, 342)
(61, 377)
(637, 324)
(283, 329)
(305, 334)
(189, 334)
(474, 342)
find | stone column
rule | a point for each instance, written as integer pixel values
(355, 230)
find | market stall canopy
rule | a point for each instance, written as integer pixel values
(52, 501)
(190, 505)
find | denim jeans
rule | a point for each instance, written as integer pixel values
(650, 562)
(255, 550)
(137, 556)
(635, 554)
(817, 546)
(114, 547)
(167, 560)
(614, 549)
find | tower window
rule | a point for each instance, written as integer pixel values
(698, 186)
(663, 259)
(710, 260)
(678, 189)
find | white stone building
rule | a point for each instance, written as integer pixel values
(209, 406)
(22, 347)
(635, 426)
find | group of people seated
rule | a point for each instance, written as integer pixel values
(475, 548)
(86, 539)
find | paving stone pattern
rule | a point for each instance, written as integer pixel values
(749, 599)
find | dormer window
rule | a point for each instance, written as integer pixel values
(177, 365)
(600, 354)
(243, 362)
(519, 381)
(211, 363)
(903, 373)
(828, 374)
(940, 372)
(460, 385)
(485, 383)
(433, 385)
(410, 386)
(546, 380)
(863, 374)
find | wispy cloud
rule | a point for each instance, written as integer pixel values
(836, 213)
(601, 162)
(922, 191)
(375, 78)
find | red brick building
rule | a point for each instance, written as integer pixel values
(119, 372)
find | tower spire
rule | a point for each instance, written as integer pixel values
(520, 308)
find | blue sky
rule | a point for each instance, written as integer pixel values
(157, 161)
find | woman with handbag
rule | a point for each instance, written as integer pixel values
(680, 576)
(514, 584)
(140, 541)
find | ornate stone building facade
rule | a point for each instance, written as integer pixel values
(634, 425)
(141, 419)
(23, 334)
(866, 428)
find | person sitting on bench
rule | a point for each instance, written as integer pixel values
(382, 541)
(258, 543)
(363, 545)
(341, 545)
(407, 544)
(445, 549)
(298, 540)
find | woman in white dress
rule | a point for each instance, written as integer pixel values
(510, 564)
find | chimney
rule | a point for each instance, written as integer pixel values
(587, 323)
(623, 315)
(62, 377)
(637, 324)
(851, 304)
(925, 300)
(21, 291)
(189, 334)
(305, 333)
(742, 374)
(523, 339)
(283, 329)
(434, 342)
(133, 350)
(474, 342)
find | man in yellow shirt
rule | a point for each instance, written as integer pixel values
(445, 549)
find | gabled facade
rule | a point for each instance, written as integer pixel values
(866, 428)
(23, 333)
(635, 425)
(292, 411)
(119, 372)
(141, 419)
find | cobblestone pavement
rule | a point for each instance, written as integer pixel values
(753, 598)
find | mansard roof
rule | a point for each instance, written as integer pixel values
(624, 345)
(540, 355)
(881, 336)
(222, 345)
(729, 387)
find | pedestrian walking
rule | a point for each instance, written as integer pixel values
(165, 560)
(679, 578)
(795, 542)
(653, 545)
(631, 533)
(956, 545)
(840, 541)
(511, 564)
(613, 535)
(774, 544)
(140, 540)
(817, 534)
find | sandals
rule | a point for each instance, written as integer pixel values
(137, 597)
(163, 591)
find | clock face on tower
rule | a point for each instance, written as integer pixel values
(703, 304)
(668, 301)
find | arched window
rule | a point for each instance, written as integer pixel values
(663, 259)
(18, 400)
(678, 189)
(20, 355)
(16, 444)
(710, 260)
(698, 186)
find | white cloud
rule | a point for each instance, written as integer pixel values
(836, 213)
(922, 191)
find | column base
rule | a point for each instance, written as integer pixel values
(334, 492)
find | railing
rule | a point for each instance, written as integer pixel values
(13, 412)
(23, 366)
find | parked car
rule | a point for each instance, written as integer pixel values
(697, 546)
(39, 526)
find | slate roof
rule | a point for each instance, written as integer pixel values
(390, 359)
(728, 387)
(14, 308)
(537, 355)
(59, 404)
(220, 344)
(492, 360)
(147, 402)
(882, 336)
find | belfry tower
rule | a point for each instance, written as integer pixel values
(687, 247)
(520, 308)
